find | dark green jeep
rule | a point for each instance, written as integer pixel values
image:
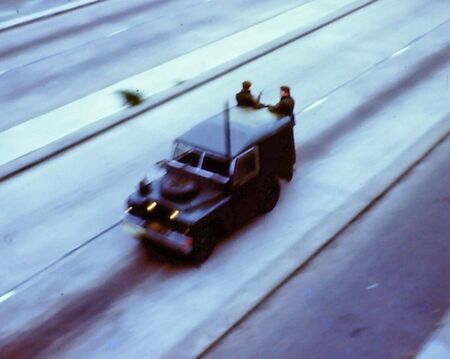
(223, 172)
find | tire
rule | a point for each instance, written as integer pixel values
(289, 174)
(204, 243)
(179, 188)
(271, 193)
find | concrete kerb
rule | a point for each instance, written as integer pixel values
(40, 155)
(58, 10)
(204, 336)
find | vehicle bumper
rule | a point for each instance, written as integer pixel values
(170, 239)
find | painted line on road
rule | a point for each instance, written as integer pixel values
(118, 32)
(45, 14)
(315, 104)
(372, 286)
(401, 51)
(7, 295)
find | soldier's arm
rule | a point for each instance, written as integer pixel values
(275, 108)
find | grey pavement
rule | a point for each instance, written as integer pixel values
(376, 292)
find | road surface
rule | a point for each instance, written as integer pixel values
(74, 284)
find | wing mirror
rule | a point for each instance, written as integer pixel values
(161, 164)
(145, 187)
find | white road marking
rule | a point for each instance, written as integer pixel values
(6, 296)
(400, 51)
(3, 72)
(118, 31)
(315, 104)
(372, 286)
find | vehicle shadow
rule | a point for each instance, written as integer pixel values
(80, 311)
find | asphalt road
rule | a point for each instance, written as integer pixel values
(377, 292)
(55, 61)
(78, 195)
(76, 285)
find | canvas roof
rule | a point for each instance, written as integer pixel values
(247, 126)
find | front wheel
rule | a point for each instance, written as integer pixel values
(271, 193)
(289, 173)
(203, 244)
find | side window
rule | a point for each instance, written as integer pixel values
(246, 166)
(216, 165)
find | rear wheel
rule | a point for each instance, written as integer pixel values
(271, 193)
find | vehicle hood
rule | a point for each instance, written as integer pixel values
(206, 200)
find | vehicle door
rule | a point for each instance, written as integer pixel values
(244, 171)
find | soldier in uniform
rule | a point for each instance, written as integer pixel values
(286, 104)
(245, 97)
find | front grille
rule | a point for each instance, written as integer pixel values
(158, 219)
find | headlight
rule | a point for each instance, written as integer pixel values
(174, 214)
(151, 206)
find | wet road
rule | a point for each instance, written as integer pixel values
(377, 292)
(93, 291)
(55, 61)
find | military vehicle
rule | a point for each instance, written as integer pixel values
(222, 173)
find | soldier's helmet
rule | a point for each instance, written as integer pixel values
(246, 85)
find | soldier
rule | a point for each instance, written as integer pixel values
(286, 104)
(245, 97)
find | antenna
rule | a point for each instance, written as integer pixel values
(226, 118)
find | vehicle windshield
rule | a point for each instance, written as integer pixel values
(186, 154)
(201, 159)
